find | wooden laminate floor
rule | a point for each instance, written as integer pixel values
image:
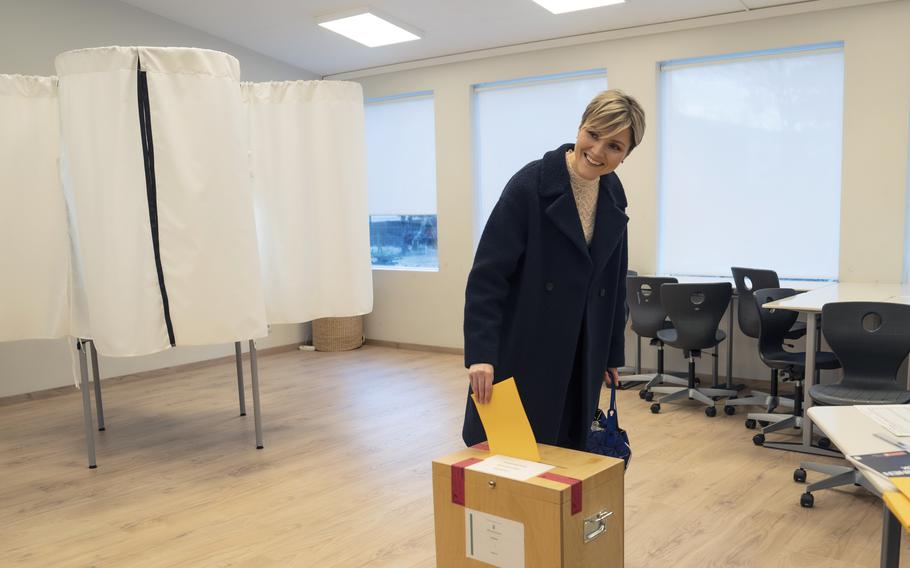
(344, 479)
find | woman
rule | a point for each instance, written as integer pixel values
(545, 298)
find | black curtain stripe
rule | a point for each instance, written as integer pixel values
(148, 155)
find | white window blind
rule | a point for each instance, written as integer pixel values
(516, 122)
(401, 155)
(750, 163)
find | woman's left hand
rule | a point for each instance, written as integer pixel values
(611, 377)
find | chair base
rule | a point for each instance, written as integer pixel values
(838, 476)
(757, 398)
(651, 380)
(777, 422)
(701, 395)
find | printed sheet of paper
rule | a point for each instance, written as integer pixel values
(893, 417)
(506, 424)
(494, 540)
(512, 468)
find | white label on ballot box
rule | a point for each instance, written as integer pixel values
(513, 468)
(494, 540)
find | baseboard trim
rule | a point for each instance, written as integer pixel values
(150, 374)
(415, 346)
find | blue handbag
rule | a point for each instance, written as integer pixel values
(606, 437)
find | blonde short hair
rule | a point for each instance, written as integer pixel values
(613, 111)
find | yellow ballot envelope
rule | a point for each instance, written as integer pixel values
(506, 424)
(898, 503)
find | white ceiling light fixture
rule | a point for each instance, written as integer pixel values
(563, 6)
(365, 26)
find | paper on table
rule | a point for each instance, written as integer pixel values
(893, 417)
(513, 468)
(506, 424)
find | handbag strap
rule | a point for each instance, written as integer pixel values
(612, 410)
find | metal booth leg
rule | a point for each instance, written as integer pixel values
(96, 375)
(86, 404)
(239, 357)
(254, 373)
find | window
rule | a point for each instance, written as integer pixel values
(750, 163)
(906, 273)
(401, 179)
(516, 122)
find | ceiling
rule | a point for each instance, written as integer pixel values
(285, 29)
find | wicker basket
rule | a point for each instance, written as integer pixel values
(338, 334)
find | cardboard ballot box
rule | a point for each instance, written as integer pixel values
(568, 516)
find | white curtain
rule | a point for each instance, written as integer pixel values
(308, 165)
(201, 198)
(34, 245)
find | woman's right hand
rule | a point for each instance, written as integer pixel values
(481, 376)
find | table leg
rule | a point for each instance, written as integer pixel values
(811, 333)
(638, 355)
(730, 342)
(891, 540)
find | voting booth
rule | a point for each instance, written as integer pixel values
(492, 510)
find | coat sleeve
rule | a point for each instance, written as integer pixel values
(617, 356)
(499, 253)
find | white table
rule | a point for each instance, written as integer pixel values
(811, 303)
(854, 433)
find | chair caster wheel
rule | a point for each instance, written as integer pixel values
(758, 439)
(642, 393)
(751, 424)
(806, 500)
(799, 476)
(729, 410)
(649, 396)
(824, 443)
(711, 412)
(763, 423)
(655, 408)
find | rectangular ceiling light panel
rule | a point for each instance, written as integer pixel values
(563, 6)
(369, 29)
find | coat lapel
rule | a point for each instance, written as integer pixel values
(609, 225)
(554, 183)
(564, 214)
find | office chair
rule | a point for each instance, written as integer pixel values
(694, 310)
(872, 340)
(748, 280)
(643, 294)
(774, 326)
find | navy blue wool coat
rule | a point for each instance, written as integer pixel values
(536, 288)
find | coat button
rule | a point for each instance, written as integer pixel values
(549, 286)
(603, 292)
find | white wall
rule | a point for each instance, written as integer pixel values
(32, 33)
(426, 308)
